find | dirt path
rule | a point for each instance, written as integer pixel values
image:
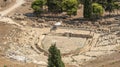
(5, 12)
(17, 4)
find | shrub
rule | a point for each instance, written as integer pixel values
(98, 10)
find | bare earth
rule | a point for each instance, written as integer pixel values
(17, 4)
(24, 42)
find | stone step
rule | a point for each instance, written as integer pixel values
(82, 58)
(109, 47)
(97, 53)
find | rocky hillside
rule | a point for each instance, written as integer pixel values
(5, 3)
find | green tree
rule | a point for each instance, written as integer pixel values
(70, 6)
(54, 6)
(110, 6)
(81, 1)
(98, 10)
(54, 59)
(87, 9)
(5, 66)
(37, 5)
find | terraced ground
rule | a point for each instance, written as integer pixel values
(30, 49)
(4, 4)
(23, 43)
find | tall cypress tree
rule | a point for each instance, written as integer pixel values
(87, 9)
(110, 5)
(54, 59)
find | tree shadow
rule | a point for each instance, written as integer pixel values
(30, 15)
(68, 20)
(83, 20)
(46, 17)
(110, 16)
